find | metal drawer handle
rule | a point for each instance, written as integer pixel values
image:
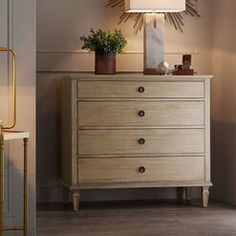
(141, 113)
(141, 169)
(142, 141)
(141, 89)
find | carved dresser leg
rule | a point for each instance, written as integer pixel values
(205, 196)
(75, 196)
(188, 193)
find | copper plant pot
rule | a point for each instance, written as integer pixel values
(105, 64)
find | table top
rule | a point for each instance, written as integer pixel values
(13, 135)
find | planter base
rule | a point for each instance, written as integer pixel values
(105, 64)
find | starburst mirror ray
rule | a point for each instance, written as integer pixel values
(174, 19)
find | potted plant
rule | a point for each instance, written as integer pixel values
(106, 45)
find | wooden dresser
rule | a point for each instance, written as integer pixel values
(136, 131)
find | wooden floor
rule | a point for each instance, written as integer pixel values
(138, 219)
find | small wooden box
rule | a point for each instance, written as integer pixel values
(184, 72)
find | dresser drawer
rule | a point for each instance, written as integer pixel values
(157, 113)
(140, 142)
(140, 169)
(140, 89)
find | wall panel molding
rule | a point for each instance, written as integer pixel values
(84, 61)
(193, 52)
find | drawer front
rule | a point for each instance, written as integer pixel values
(140, 169)
(134, 142)
(141, 89)
(158, 113)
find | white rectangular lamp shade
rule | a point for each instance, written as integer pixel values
(158, 6)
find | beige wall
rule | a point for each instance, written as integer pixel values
(224, 100)
(59, 25)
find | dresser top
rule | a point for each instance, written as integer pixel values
(137, 76)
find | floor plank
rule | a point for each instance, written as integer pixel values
(137, 219)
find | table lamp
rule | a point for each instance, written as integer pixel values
(13, 122)
(154, 28)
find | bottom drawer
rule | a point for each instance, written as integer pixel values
(97, 170)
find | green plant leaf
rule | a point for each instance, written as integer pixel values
(104, 42)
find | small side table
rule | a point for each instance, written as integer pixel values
(8, 136)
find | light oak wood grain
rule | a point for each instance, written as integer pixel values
(207, 133)
(127, 169)
(137, 77)
(129, 89)
(103, 130)
(69, 133)
(123, 142)
(126, 113)
(144, 184)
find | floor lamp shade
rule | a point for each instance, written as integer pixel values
(158, 6)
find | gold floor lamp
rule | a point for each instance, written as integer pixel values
(7, 134)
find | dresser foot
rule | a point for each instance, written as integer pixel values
(75, 197)
(188, 193)
(205, 196)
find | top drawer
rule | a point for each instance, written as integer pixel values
(140, 89)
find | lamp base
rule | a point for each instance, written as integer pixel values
(153, 42)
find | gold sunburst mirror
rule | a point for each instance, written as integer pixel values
(174, 19)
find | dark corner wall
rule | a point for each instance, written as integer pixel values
(224, 101)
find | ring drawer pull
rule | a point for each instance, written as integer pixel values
(142, 169)
(141, 113)
(142, 141)
(141, 89)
